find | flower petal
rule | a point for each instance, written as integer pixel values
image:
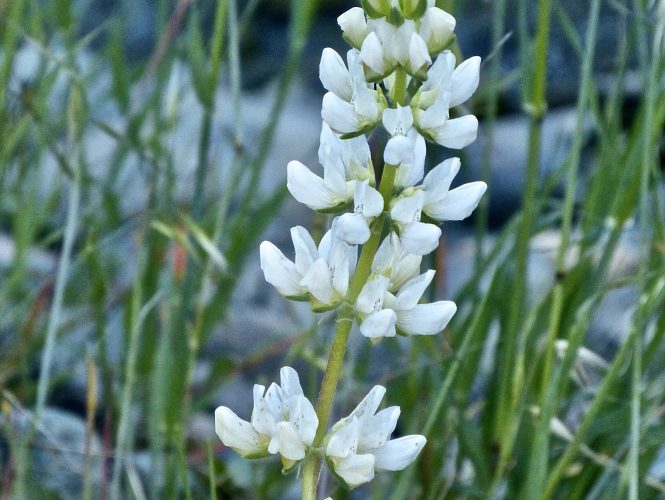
(274, 399)
(334, 75)
(436, 28)
(302, 417)
(310, 189)
(393, 261)
(434, 117)
(419, 59)
(263, 419)
(305, 248)
(239, 434)
(354, 26)
(397, 121)
(339, 266)
(355, 470)
(343, 438)
(289, 382)
(371, 53)
(378, 429)
(367, 200)
(464, 81)
(352, 228)
(410, 172)
(370, 298)
(459, 203)
(318, 282)
(397, 454)
(437, 182)
(420, 238)
(368, 406)
(339, 114)
(439, 74)
(364, 104)
(280, 271)
(286, 441)
(399, 151)
(406, 209)
(413, 290)
(379, 324)
(426, 319)
(457, 133)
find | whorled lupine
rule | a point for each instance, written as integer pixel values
(398, 75)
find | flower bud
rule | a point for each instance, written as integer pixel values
(413, 9)
(354, 26)
(436, 29)
(376, 8)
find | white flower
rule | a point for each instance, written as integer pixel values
(442, 76)
(383, 314)
(354, 154)
(375, 321)
(319, 275)
(410, 172)
(440, 202)
(387, 46)
(358, 446)
(392, 261)
(350, 107)
(444, 89)
(401, 146)
(283, 421)
(344, 162)
(371, 55)
(354, 26)
(398, 121)
(436, 29)
(416, 237)
(330, 193)
(353, 228)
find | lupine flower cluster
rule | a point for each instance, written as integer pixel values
(398, 75)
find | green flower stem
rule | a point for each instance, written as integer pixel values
(399, 88)
(311, 466)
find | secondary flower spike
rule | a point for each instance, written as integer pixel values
(283, 421)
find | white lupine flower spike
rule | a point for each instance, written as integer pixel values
(399, 74)
(283, 422)
(359, 445)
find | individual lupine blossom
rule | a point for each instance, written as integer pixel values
(283, 421)
(446, 87)
(351, 107)
(358, 446)
(384, 314)
(344, 162)
(320, 275)
(435, 199)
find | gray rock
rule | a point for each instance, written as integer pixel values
(57, 454)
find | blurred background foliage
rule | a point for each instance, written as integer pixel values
(143, 147)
